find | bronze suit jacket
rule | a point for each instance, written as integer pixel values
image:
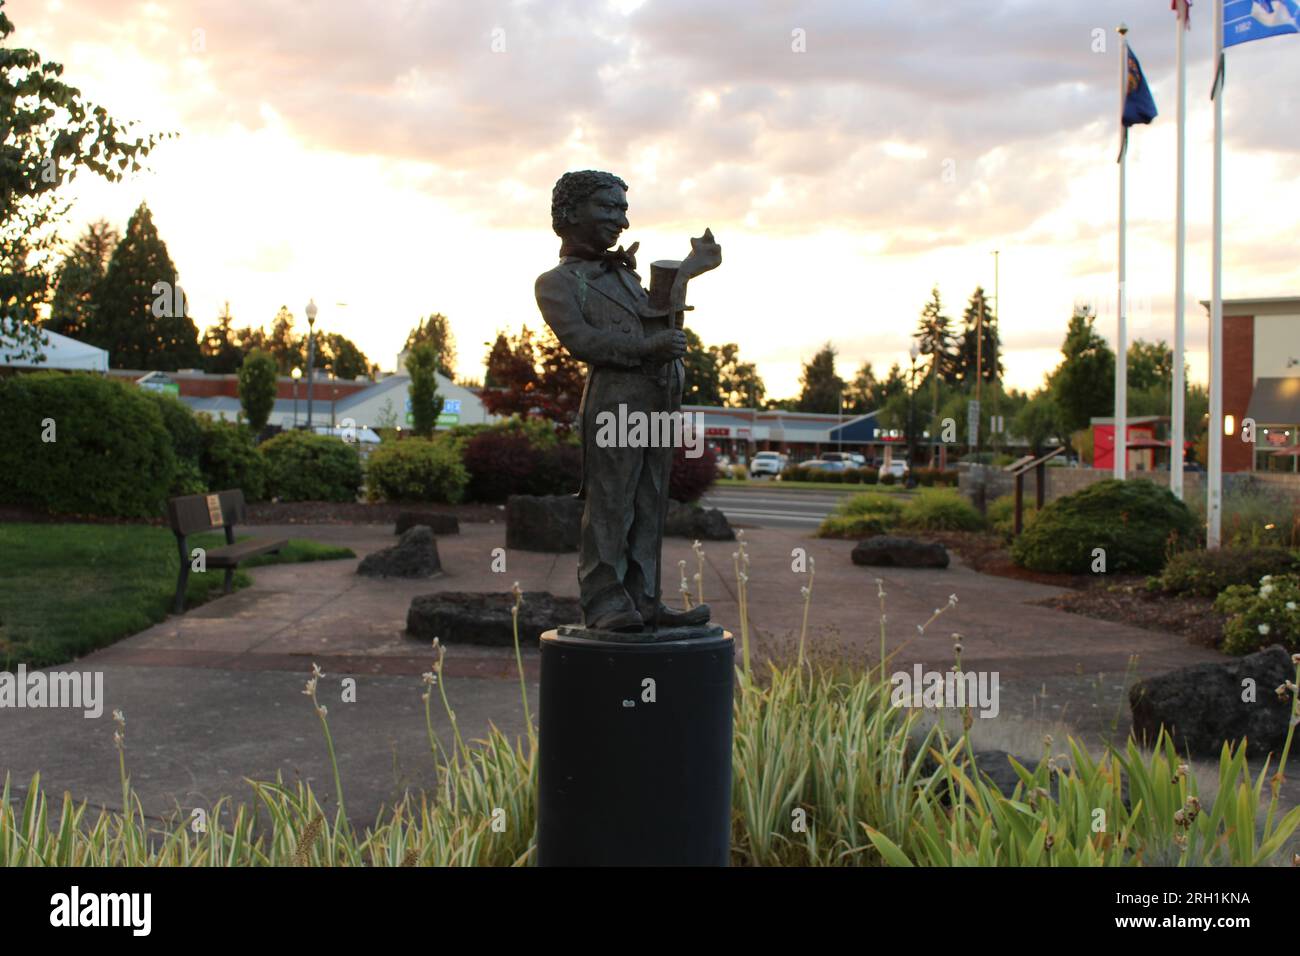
(601, 315)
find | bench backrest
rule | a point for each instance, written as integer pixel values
(190, 514)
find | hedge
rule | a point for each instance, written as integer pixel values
(1137, 524)
(301, 466)
(110, 453)
(1207, 573)
(416, 470)
(228, 458)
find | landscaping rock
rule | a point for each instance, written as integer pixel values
(704, 524)
(460, 617)
(1202, 705)
(436, 521)
(543, 522)
(414, 556)
(890, 552)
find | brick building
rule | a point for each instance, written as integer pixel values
(1261, 382)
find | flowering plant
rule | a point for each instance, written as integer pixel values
(1263, 616)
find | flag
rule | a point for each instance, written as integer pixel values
(1184, 14)
(1246, 20)
(1139, 106)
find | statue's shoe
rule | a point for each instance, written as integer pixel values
(626, 620)
(670, 617)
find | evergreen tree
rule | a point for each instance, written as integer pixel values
(140, 312)
(80, 273)
(436, 330)
(220, 346)
(342, 356)
(257, 388)
(935, 339)
(290, 349)
(822, 388)
(1084, 383)
(969, 356)
(426, 405)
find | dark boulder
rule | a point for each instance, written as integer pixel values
(459, 617)
(704, 524)
(414, 556)
(1202, 705)
(435, 521)
(887, 551)
(543, 522)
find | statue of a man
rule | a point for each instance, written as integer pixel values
(594, 302)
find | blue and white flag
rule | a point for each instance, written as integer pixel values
(1246, 20)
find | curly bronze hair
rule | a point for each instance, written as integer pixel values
(572, 188)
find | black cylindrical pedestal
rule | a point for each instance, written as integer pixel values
(635, 752)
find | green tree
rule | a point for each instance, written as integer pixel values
(703, 383)
(257, 388)
(426, 405)
(935, 339)
(1038, 421)
(341, 356)
(969, 354)
(1150, 364)
(220, 349)
(822, 388)
(48, 135)
(77, 278)
(140, 312)
(1084, 383)
(436, 330)
(739, 384)
(287, 348)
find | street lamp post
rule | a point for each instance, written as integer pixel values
(295, 375)
(311, 353)
(911, 412)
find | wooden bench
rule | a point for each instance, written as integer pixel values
(192, 514)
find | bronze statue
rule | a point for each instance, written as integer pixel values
(632, 342)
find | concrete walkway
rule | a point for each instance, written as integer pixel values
(214, 696)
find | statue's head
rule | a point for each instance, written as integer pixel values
(589, 207)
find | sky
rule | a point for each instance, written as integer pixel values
(391, 160)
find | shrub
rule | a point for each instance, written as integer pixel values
(416, 470)
(1001, 514)
(869, 475)
(187, 443)
(111, 453)
(1136, 523)
(426, 405)
(301, 466)
(228, 458)
(1208, 572)
(559, 470)
(499, 464)
(887, 478)
(941, 510)
(1259, 618)
(257, 387)
(692, 477)
(852, 526)
(794, 473)
(924, 476)
(861, 516)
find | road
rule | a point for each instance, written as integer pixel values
(770, 506)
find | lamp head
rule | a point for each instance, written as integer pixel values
(296, 374)
(311, 311)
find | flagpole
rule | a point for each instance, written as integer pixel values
(1214, 475)
(1121, 347)
(1178, 426)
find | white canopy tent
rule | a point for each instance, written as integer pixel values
(60, 352)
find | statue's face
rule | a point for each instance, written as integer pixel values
(600, 219)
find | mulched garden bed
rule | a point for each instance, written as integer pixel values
(287, 512)
(1123, 598)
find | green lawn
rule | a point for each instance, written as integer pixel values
(67, 589)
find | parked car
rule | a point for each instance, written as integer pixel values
(825, 466)
(722, 466)
(767, 463)
(897, 468)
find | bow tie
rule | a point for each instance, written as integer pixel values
(614, 258)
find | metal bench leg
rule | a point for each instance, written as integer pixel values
(230, 580)
(178, 606)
